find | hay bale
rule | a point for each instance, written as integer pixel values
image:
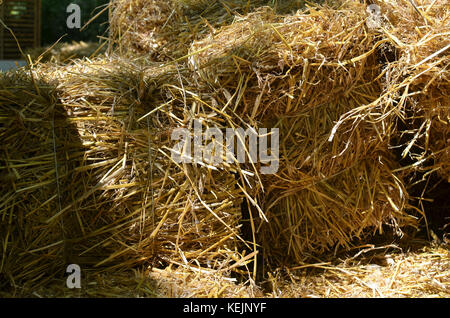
(165, 29)
(317, 76)
(120, 201)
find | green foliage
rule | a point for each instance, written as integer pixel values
(54, 18)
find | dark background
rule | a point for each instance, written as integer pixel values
(54, 17)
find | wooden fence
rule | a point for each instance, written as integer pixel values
(23, 17)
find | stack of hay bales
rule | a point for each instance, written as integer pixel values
(106, 191)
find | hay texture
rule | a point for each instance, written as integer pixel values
(86, 167)
(421, 273)
(88, 178)
(419, 81)
(317, 76)
(166, 29)
(65, 52)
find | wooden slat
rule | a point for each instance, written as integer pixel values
(37, 20)
(14, 45)
(21, 20)
(2, 32)
(21, 31)
(22, 43)
(20, 35)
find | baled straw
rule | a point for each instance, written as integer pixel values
(105, 192)
(301, 73)
(165, 29)
(416, 83)
(35, 176)
(120, 199)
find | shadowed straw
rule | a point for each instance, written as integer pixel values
(421, 81)
(123, 200)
